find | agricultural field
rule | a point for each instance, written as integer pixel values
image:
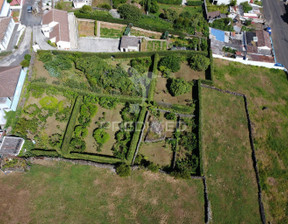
(86, 28)
(57, 192)
(153, 45)
(44, 117)
(227, 160)
(266, 91)
(145, 33)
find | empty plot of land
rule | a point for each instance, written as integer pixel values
(231, 181)
(64, 193)
(86, 28)
(189, 74)
(94, 44)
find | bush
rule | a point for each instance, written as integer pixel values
(49, 102)
(170, 116)
(225, 24)
(116, 3)
(86, 9)
(45, 56)
(130, 12)
(178, 86)
(170, 2)
(153, 167)
(199, 62)
(104, 6)
(194, 3)
(27, 57)
(25, 63)
(123, 170)
(246, 7)
(100, 136)
(170, 62)
(169, 14)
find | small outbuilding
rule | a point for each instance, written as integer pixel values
(11, 146)
(129, 44)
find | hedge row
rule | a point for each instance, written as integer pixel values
(154, 76)
(194, 3)
(136, 135)
(144, 25)
(41, 152)
(133, 54)
(170, 2)
(94, 158)
(182, 108)
(210, 71)
(200, 128)
(71, 125)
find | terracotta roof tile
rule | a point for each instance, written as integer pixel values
(8, 80)
(263, 38)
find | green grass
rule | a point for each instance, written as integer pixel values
(64, 193)
(111, 33)
(227, 159)
(264, 88)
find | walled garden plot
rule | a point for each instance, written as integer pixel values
(227, 160)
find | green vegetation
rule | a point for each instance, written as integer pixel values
(169, 63)
(170, 2)
(223, 24)
(199, 62)
(26, 61)
(123, 170)
(246, 7)
(227, 159)
(111, 33)
(178, 86)
(64, 188)
(266, 92)
(130, 12)
(101, 137)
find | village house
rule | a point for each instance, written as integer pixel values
(11, 84)
(258, 42)
(4, 8)
(55, 27)
(7, 25)
(129, 44)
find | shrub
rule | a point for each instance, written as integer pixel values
(25, 63)
(169, 14)
(130, 12)
(49, 102)
(194, 3)
(45, 56)
(78, 144)
(178, 86)
(199, 62)
(171, 62)
(170, 2)
(123, 170)
(100, 136)
(116, 3)
(170, 116)
(104, 6)
(153, 167)
(27, 57)
(86, 9)
(246, 6)
(225, 24)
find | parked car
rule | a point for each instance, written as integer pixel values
(29, 9)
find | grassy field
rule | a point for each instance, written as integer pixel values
(264, 88)
(96, 3)
(86, 29)
(64, 193)
(227, 160)
(111, 33)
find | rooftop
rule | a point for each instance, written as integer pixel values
(9, 77)
(61, 30)
(219, 34)
(11, 145)
(4, 22)
(129, 42)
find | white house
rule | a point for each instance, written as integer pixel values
(7, 25)
(80, 3)
(55, 26)
(11, 84)
(227, 2)
(129, 44)
(4, 8)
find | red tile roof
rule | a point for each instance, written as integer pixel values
(8, 80)
(263, 39)
(61, 30)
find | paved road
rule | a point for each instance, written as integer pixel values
(274, 12)
(30, 19)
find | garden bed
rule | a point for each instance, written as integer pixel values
(86, 28)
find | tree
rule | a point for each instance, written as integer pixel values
(129, 12)
(25, 63)
(170, 116)
(171, 62)
(178, 86)
(246, 7)
(223, 24)
(233, 2)
(169, 14)
(86, 9)
(27, 57)
(199, 62)
(100, 136)
(123, 170)
(150, 5)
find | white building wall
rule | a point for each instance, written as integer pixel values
(5, 11)
(63, 45)
(227, 2)
(79, 5)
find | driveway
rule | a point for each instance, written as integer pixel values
(95, 44)
(30, 19)
(274, 12)
(18, 55)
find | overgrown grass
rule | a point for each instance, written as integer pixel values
(267, 94)
(64, 193)
(227, 159)
(111, 33)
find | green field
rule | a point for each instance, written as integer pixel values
(63, 193)
(264, 88)
(227, 160)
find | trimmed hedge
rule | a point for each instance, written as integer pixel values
(154, 76)
(71, 125)
(200, 128)
(94, 158)
(194, 3)
(209, 73)
(41, 152)
(170, 2)
(136, 135)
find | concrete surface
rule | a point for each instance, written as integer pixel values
(95, 44)
(276, 17)
(30, 19)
